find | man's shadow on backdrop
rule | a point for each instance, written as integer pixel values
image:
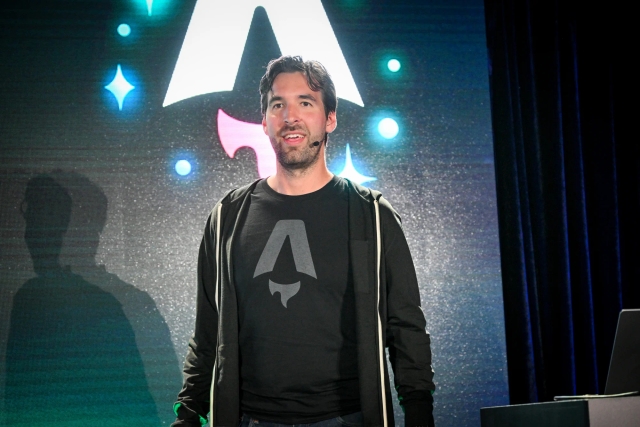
(84, 347)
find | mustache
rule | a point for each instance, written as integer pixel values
(288, 128)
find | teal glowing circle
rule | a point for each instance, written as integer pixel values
(388, 128)
(183, 167)
(394, 65)
(124, 30)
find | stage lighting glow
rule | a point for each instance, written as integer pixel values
(388, 128)
(213, 46)
(350, 171)
(124, 30)
(394, 65)
(183, 167)
(119, 87)
(149, 6)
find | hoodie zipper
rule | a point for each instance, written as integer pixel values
(381, 359)
(215, 364)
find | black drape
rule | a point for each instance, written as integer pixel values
(568, 189)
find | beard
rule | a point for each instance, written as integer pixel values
(297, 158)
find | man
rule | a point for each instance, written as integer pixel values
(303, 279)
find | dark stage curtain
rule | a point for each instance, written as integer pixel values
(568, 188)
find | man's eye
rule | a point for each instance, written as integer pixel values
(306, 104)
(276, 106)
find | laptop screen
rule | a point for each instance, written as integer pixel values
(624, 368)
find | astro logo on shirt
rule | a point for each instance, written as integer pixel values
(294, 228)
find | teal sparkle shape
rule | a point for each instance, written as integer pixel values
(149, 6)
(119, 87)
(350, 171)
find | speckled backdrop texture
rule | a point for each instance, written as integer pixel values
(134, 225)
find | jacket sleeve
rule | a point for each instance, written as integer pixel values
(408, 342)
(192, 405)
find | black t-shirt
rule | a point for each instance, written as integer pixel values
(296, 306)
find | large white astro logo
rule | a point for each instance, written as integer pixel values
(217, 34)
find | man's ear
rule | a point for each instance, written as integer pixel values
(264, 126)
(332, 122)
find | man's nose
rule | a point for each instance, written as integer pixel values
(291, 115)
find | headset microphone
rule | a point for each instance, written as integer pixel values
(324, 138)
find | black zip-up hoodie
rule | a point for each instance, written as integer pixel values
(387, 313)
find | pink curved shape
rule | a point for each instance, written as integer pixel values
(235, 134)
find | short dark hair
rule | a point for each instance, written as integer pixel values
(317, 76)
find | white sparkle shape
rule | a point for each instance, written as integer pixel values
(149, 6)
(351, 173)
(119, 87)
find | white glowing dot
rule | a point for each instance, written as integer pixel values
(394, 65)
(388, 128)
(124, 30)
(183, 167)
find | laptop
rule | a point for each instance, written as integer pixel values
(624, 368)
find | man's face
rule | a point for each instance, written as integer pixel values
(294, 120)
